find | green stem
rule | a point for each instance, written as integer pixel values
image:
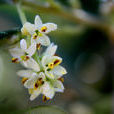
(36, 57)
(21, 14)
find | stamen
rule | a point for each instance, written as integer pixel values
(43, 29)
(24, 80)
(35, 36)
(36, 85)
(38, 46)
(50, 65)
(24, 57)
(61, 79)
(45, 98)
(56, 62)
(15, 60)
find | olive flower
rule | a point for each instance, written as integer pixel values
(24, 55)
(38, 31)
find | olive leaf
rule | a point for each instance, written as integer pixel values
(8, 33)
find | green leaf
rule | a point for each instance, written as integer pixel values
(45, 110)
(6, 34)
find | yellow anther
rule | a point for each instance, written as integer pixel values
(15, 60)
(57, 62)
(24, 58)
(45, 98)
(24, 80)
(51, 65)
(43, 29)
(35, 36)
(38, 83)
(61, 79)
(38, 46)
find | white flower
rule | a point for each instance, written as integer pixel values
(50, 63)
(38, 31)
(37, 84)
(24, 55)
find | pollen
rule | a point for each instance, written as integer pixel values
(24, 80)
(15, 60)
(43, 29)
(45, 98)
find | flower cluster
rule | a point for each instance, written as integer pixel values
(43, 74)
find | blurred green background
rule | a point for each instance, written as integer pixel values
(85, 39)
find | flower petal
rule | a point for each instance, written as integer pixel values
(49, 74)
(48, 91)
(23, 44)
(38, 22)
(32, 49)
(35, 94)
(58, 86)
(31, 63)
(48, 59)
(28, 29)
(50, 27)
(30, 83)
(26, 73)
(43, 40)
(59, 71)
(16, 52)
(51, 50)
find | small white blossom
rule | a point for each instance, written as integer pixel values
(38, 31)
(24, 55)
(37, 84)
(51, 62)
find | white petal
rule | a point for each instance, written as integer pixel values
(30, 83)
(59, 71)
(58, 86)
(42, 75)
(38, 22)
(26, 73)
(31, 63)
(23, 44)
(49, 74)
(28, 28)
(51, 50)
(43, 40)
(48, 59)
(35, 94)
(16, 52)
(48, 91)
(32, 49)
(50, 27)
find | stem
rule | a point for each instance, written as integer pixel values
(21, 14)
(36, 57)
